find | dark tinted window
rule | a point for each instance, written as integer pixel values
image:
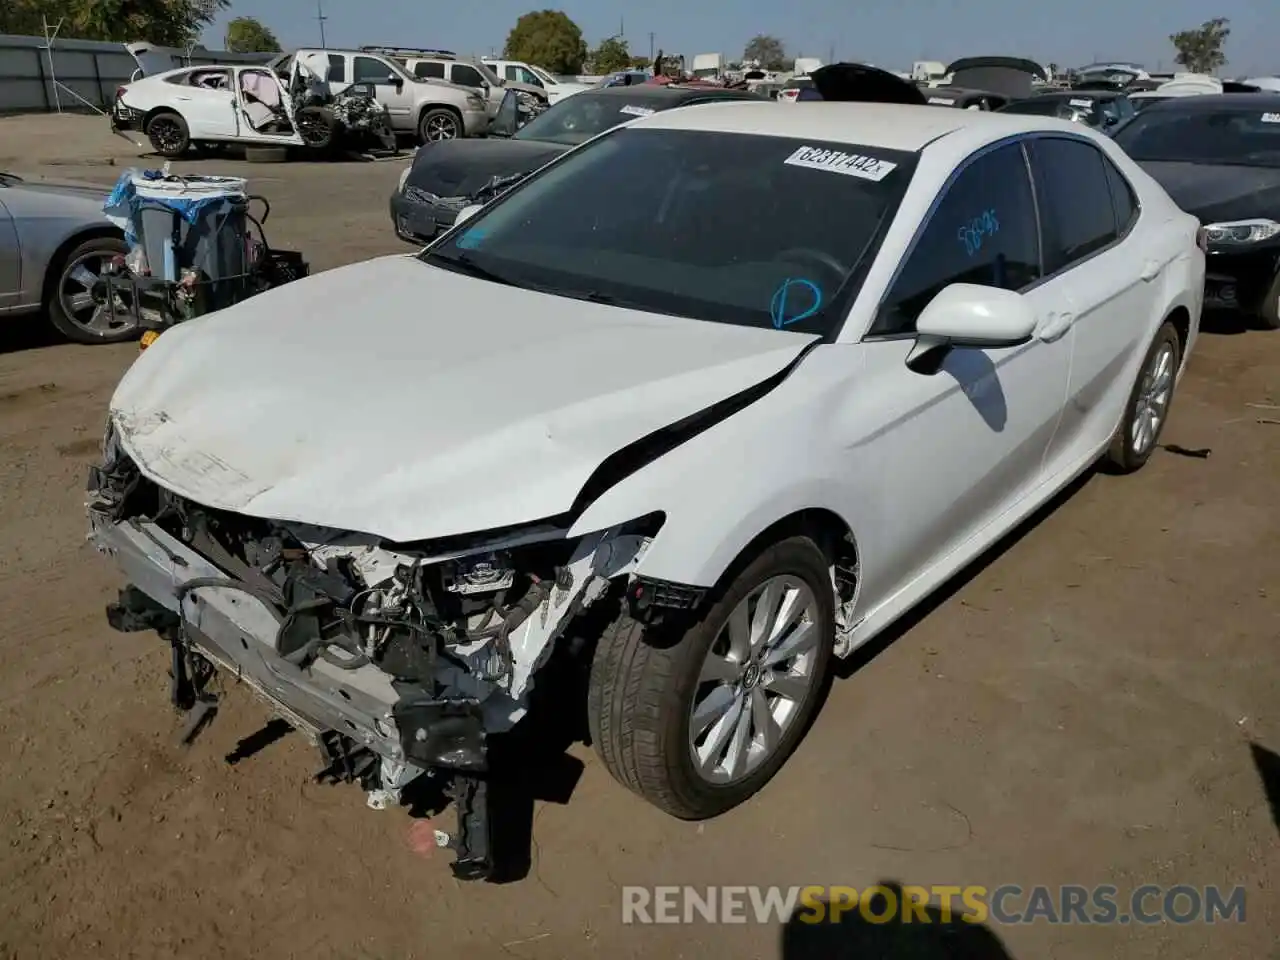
(982, 231)
(369, 70)
(1123, 202)
(337, 68)
(1197, 135)
(467, 76)
(779, 237)
(424, 69)
(1075, 200)
(512, 73)
(578, 118)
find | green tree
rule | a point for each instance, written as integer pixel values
(612, 55)
(1202, 50)
(767, 51)
(167, 23)
(549, 39)
(247, 35)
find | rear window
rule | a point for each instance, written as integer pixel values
(731, 228)
(1239, 137)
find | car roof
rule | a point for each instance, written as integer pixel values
(1208, 102)
(672, 92)
(890, 126)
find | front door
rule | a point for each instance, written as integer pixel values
(955, 449)
(389, 88)
(263, 107)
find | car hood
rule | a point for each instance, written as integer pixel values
(458, 168)
(402, 400)
(1217, 194)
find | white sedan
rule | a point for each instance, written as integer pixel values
(704, 434)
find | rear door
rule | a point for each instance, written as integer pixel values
(1106, 260)
(10, 259)
(207, 101)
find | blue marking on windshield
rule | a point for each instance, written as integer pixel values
(974, 232)
(470, 239)
(779, 306)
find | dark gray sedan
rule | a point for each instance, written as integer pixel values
(54, 244)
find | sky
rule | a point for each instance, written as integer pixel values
(887, 33)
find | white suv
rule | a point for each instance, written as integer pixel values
(472, 74)
(516, 71)
(428, 109)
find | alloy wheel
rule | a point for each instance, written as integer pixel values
(76, 289)
(1152, 402)
(441, 128)
(757, 675)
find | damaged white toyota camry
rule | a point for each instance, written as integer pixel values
(707, 402)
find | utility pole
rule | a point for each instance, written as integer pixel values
(320, 19)
(651, 46)
(622, 27)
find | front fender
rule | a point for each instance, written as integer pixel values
(725, 486)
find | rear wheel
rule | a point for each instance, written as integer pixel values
(168, 134)
(697, 723)
(439, 124)
(1149, 402)
(74, 297)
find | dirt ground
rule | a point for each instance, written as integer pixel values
(1079, 711)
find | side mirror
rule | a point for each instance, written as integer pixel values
(970, 315)
(467, 212)
(507, 120)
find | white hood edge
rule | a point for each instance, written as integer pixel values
(400, 400)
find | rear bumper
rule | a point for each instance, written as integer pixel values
(125, 117)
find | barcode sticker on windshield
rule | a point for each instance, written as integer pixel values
(1080, 103)
(835, 161)
(635, 111)
(1271, 118)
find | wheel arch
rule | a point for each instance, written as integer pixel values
(457, 113)
(53, 265)
(156, 111)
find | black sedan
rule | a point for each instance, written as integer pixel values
(452, 174)
(1101, 109)
(1218, 157)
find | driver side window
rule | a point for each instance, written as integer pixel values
(983, 230)
(369, 70)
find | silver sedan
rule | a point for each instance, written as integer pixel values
(54, 243)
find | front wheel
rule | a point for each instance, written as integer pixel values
(1148, 406)
(1269, 313)
(75, 301)
(698, 723)
(439, 124)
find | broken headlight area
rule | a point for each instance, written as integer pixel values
(395, 659)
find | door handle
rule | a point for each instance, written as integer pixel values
(1056, 325)
(1151, 269)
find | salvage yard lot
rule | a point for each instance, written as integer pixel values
(1080, 711)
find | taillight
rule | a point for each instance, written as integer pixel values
(120, 92)
(1202, 239)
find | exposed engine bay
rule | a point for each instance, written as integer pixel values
(395, 660)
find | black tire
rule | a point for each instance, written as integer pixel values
(266, 154)
(168, 134)
(60, 285)
(1269, 313)
(318, 129)
(1122, 456)
(642, 688)
(439, 123)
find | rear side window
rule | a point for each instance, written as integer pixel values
(983, 230)
(1123, 201)
(337, 68)
(1075, 200)
(467, 76)
(424, 69)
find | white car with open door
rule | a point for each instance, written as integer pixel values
(702, 435)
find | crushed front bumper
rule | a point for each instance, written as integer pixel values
(236, 632)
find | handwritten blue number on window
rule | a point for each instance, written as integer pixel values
(973, 233)
(470, 239)
(783, 306)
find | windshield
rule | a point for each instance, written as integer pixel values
(1243, 138)
(1066, 108)
(577, 119)
(545, 77)
(732, 228)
